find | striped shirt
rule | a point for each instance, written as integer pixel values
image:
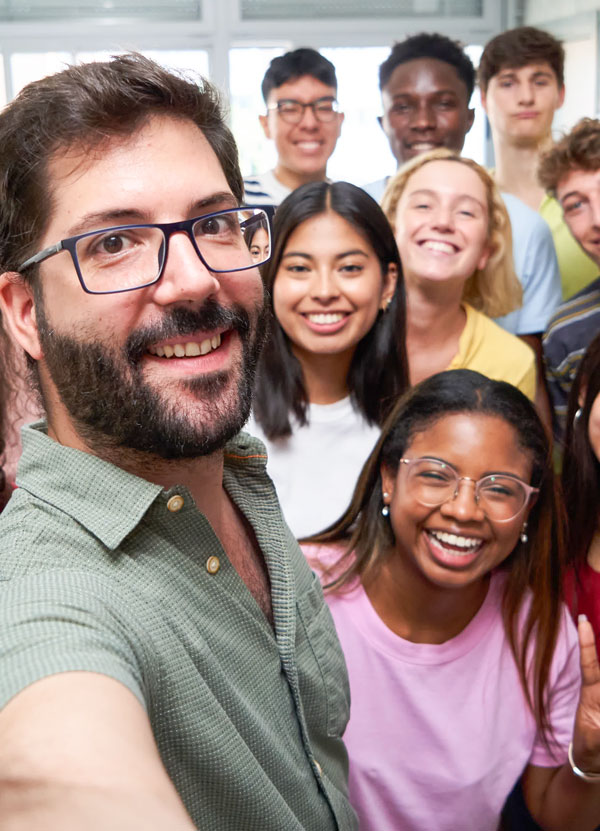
(569, 333)
(102, 571)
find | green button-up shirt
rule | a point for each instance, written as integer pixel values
(106, 572)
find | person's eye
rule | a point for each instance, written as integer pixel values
(297, 268)
(351, 268)
(110, 244)
(422, 206)
(507, 82)
(254, 250)
(447, 104)
(400, 107)
(223, 224)
(326, 107)
(541, 82)
(434, 476)
(466, 212)
(573, 207)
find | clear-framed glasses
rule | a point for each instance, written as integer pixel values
(292, 111)
(127, 257)
(501, 496)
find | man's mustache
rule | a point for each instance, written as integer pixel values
(181, 322)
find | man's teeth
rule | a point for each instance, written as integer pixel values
(435, 245)
(186, 350)
(324, 319)
(468, 543)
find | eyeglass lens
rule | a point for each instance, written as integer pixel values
(132, 256)
(293, 111)
(433, 483)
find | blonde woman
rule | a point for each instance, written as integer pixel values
(455, 243)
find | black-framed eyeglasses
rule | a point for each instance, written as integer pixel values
(292, 111)
(128, 257)
(501, 496)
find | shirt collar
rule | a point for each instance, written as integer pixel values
(106, 500)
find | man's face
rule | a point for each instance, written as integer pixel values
(303, 149)
(98, 353)
(425, 106)
(579, 194)
(520, 103)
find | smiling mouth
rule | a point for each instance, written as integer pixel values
(438, 245)
(189, 349)
(325, 318)
(455, 544)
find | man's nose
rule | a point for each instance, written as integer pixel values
(185, 276)
(423, 117)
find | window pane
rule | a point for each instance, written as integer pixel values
(362, 153)
(247, 67)
(31, 66)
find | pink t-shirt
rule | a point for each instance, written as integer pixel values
(440, 733)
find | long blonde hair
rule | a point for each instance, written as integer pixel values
(495, 289)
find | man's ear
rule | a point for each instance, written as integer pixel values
(561, 97)
(470, 119)
(264, 123)
(18, 312)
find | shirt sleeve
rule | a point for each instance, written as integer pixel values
(562, 698)
(536, 266)
(64, 622)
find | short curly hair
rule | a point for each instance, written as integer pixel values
(430, 45)
(578, 150)
(519, 47)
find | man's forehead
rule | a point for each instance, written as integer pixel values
(163, 159)
(578, 181)
(300, 88)
(532, 68)
(424, 76)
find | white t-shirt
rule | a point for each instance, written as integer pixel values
(439, 733)
(316, 468)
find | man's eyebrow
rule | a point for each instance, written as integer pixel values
(216, 201)
(571, 193)
(97, 220)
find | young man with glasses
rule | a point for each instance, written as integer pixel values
(166, 660)
(303, 121)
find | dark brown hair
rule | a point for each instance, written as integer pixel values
(578, 150)
(581, 468)
(378, 372)
(518, 47)
(84, 107)
(533, 568)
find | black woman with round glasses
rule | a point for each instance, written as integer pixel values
(444, 581)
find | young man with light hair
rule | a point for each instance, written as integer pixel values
(521, 76)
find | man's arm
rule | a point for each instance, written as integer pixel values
(77, 751)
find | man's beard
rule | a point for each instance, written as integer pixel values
(113, 406)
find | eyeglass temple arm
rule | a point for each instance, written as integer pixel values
(42, 255)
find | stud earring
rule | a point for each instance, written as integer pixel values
(577, 416)
(524, 536)
(385, 511)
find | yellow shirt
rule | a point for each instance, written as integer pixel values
(577, 270)
(484, 347)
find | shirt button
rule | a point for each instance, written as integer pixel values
(319, 768)
(213, 564)
(175, 503)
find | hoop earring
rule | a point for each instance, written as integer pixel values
(524, 537)
(385, 511)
